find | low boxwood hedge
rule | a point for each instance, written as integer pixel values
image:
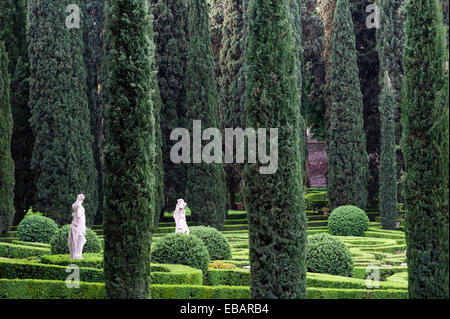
(89, 260)
(22, 269)
(160, 274)
(8, 250)
(52, 289)
(333, 293)
(329, 281)
(227, 277)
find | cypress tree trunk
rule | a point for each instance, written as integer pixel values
(6, 161)
(275, 202)
(232, 81)
(62, 155)
(425, 189)
(130, 148)
(170, 25)
(347, 157)
(388, 167)
(13, 33)
(206, 189)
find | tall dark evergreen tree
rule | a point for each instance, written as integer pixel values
(368, 65)
(130, 148)
(170, 27)
(13, 33)
(93, 55)
(390, 42)
(6, 162)
(62, 154)
(388, 164)
(425, 186)
(347, 157)
(232, 81)
(296, 16)
(159, 201)
(206, 192)
(275, 202)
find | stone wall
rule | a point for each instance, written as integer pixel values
(317, 163)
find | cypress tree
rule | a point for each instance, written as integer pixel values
(93, 55)
(232, 81)
(368, 66)
(159, 201)
(347, 157)
(170, 27)
(62, 155)
(275, 202)
(441, 195)
(206, 189)
(13, 33)
(6, 161)
(426, 210)
(326, 11)
(388, 167)
(390, 42)
(130, 148)
(296, 8)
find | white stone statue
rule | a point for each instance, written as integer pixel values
(77, 233)
(180, 218)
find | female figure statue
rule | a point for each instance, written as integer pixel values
(180, 218)
(77, 233)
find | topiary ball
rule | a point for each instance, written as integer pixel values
(60, 242)
(36, 228)
(183, 249)
(348, 221)
(218, 246)
(328, 255)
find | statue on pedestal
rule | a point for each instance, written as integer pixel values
(77, 233)
(180, 218)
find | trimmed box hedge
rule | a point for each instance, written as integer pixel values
(227, 277)
(328, 281)
(160, 274)
(333, 293)
(52, 289)
(22, 269)
(8, 250)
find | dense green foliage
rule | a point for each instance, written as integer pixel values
(388, 166)
(390, 42)
(181, 249)
(6, 162)
(347, 156)
(218, 246)
(93, 13)
(314, 69)
(206, 192)
(364, 19)
(13, 33)
(232, 81)
(348, 221)
(37, 229)
(130, 148)
(425, 186)
(59, 243)
(170, 27)
(275, 202)
(62, 155)
(328, 255)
